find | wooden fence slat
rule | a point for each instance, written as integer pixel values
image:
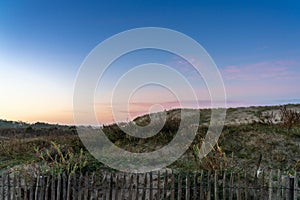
(14, 188)
(179, 194)
(58, 188)
(216, 186)
(208, 185)
(31, 187)
(14, 181)
(92, 189)
(37, 186)
(262, 190)
(123, 189)
(105, 188)
(201, 192)
(246, 186)
(69, 187)
(231, 185)
(64, 187)
(25, 188)
(47, 188)
(130, 187)
(286, 185)
(270, 185)
(74, 190)
(137, 187)
(255, 186)
(187, 187)
(8, 187)
(53, 187)
(165, 189)
(19, 187)
(42, 186)
(158, 186)
(195, 182)
(117, 187)
(238, 191)
(172, 186)
(291, 187)
(86, 187)
(151, 186)
(96, 188)
(3, 185)
(110, 186)
(80, 187)
(224, 184)
(278, 192)
(295, 186)
(145, 187)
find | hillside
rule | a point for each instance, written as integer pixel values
(248, 134)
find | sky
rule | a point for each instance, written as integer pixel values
(254, 44)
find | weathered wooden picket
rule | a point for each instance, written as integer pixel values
(153, 185)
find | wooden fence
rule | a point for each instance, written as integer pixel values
(154, 185)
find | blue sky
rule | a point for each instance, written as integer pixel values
(255, 45)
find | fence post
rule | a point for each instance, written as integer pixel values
(158, 186)
(3, 185)
(130, 187)
(209, 185)
(262, 192)
(47, 188)
(291, 187)
(74, 193)
(25, 189)
(179, 194)
(278, 192)
(86, 186)
(69, 187)
(53, 187)
(172, 186)
(295, 186)
(137, 186)
(14, 188)
(201, 185)
(216, 191)
(8, 187)
(42, 186)
(224, 184)
(151, 186)
(117, 187)
(37, 185)
(246, 186)
(58, 188)
(271, 184)
(286, 186)
(19, 187)
(187, 188)
(145, 187)
(238, 192)
(195, 186)
(31, 187)
(64, 177)
(123, 189)
(231, 186)
(110, 197)
(165, 185)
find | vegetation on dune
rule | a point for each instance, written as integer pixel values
(272, 132)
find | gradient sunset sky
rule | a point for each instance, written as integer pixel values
(255, 45)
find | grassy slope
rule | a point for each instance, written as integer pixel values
(241, 142)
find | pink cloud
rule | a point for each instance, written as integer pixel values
(279, 70)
